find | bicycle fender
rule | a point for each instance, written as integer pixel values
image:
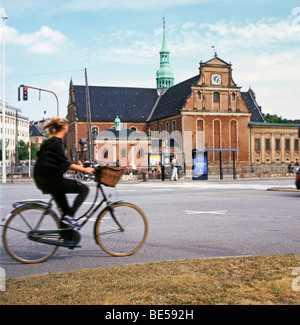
(21, 204)
(4, 219)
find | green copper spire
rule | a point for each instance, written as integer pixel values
(164, 75)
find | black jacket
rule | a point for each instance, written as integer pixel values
(51, 164)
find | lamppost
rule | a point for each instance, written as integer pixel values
(4, 17)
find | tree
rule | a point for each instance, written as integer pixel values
(22, 150)
(274, 119)
(34, 151)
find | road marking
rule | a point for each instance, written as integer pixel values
(162, 189)
(205, 212)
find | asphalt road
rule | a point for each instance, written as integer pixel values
(187, 219)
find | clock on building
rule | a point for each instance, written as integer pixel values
(216, 79)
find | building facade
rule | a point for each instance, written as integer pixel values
(205, 112)
(16, 129)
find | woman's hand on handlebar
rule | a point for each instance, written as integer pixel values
(78, 168)
(89, 170)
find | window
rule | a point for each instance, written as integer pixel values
(296, 144)
(277, 142)
(123, 153)
(216, 96)
(199, 95)
(268, 144)
(105, 153)
(140, 154)
(287, 144)
(257, 144)
(174, 126)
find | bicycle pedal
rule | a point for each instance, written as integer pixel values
(77, 246)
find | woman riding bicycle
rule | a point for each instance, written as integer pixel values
(50, 167)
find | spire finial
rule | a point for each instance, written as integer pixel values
(215, 52)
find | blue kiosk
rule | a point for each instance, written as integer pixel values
(200, 165)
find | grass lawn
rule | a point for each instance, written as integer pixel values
(257, 280)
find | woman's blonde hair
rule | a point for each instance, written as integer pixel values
(55, 125)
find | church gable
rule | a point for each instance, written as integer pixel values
(216, 73)
(217, 61)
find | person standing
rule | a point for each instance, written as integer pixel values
(174, 176)
(50, 166)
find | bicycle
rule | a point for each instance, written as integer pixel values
(79, 176)
(32, 231)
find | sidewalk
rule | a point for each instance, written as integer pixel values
(212, 178)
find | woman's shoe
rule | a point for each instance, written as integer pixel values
(70, 222)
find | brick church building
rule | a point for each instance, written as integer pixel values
(207, 112)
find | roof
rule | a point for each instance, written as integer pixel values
(144, 104)
(282, 125)
(256, 115)
(173, 100)
(123, 133)
(130, 104)
(34, 131)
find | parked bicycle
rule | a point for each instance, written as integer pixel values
(32, 231)
(79, 176)
(84, 176)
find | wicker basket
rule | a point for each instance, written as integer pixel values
(109, 175)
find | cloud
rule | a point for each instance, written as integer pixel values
(44, 41)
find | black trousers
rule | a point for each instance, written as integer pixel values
(67, 186)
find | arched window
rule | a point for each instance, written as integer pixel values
(123, 153)
(105, 153)
(233, 134)
(140, 154)
(217, 134)
(216, 96)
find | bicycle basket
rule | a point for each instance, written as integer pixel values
(109, 175)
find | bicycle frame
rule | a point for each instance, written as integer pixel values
(86, 214)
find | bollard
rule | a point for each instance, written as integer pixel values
(144, 176)
(162, 173)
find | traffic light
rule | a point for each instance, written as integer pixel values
(25, 93)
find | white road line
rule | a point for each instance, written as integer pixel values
(162, 189)
(205, 212)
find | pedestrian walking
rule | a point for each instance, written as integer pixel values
(174, 176)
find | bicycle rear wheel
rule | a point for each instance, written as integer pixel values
(17, 227)
(121, 229)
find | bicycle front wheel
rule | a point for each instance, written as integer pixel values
(121, 229)
(15, 234)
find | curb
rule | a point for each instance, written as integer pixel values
(283, 189)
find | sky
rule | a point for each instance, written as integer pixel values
(48, 43)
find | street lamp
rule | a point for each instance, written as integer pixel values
(4, 17)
